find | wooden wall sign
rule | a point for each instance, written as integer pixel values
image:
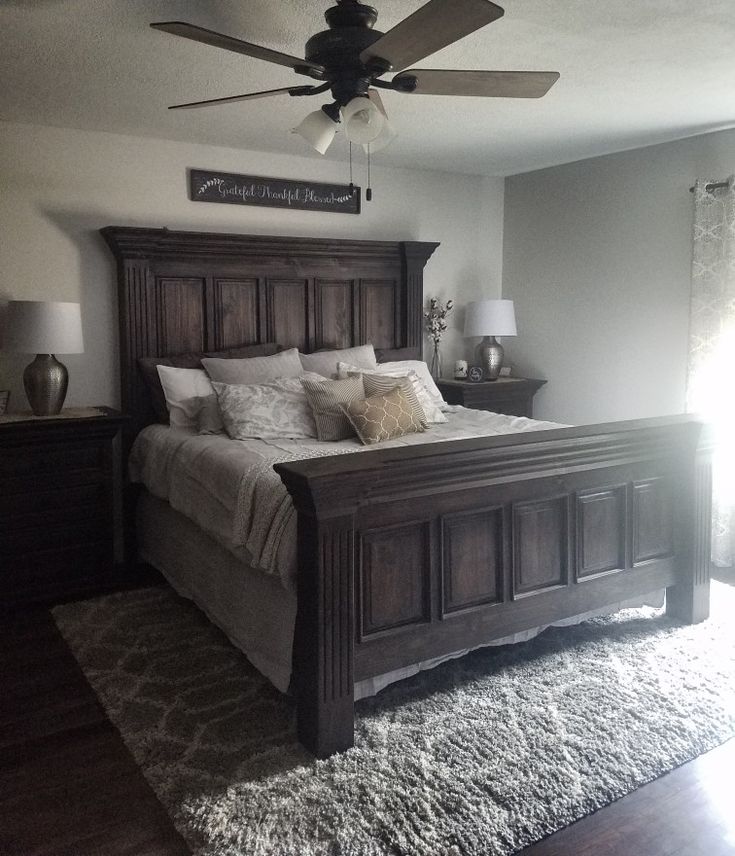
(207, 186)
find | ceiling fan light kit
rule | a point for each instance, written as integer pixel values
(351, 57)
(363, 121)
(318, 129)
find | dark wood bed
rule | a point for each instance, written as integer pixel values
(410, 554)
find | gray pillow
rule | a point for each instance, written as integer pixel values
(193, 360)
(325, 362)
(255, 369)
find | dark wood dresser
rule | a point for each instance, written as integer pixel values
(510, 395)
(59, 501)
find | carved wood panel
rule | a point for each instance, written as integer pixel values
(395, 582)
(334, 314)
(181, 314)
(653, 521)
(472, 559)
(540, 545)
(601, 519)
(378, 319)
(236, 312)
(290, 315)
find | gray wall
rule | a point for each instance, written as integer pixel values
(59, 186)
(597, 257)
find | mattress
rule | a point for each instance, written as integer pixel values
(229, 489)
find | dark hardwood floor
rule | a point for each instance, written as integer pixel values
(69, 787)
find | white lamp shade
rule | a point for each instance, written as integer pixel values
(43, 327)
(318, 130)
(363, 120)
(490, 318)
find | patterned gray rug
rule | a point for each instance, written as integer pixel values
(479, 756)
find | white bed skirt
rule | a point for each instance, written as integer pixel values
(252, 608)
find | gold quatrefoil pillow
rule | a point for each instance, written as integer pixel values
(383, 417)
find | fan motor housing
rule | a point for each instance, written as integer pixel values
(339, 50)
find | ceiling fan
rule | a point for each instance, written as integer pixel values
(351, 58)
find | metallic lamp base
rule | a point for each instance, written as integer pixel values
(490, 354)
(46, 381)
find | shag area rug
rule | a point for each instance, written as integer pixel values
(481, 756)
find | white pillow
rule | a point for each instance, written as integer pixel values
(422, 370)
(267, 411)
(254, 369)
(325, 362)
(184, 391)
(433, 413)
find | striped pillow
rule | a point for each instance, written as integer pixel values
(376, 384)
(325, 398)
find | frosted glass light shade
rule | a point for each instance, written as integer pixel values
(318, 130)
(43, 327)
(363, 120)
(384, 138)
(490, 318)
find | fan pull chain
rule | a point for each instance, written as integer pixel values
(369, 191)
(352, 185)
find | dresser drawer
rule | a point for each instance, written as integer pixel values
(20, 541)
(21, 461)
(47, 576)
(20, 504)
(59, 517)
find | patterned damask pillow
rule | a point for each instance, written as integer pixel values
(383, 417)
(267, 411)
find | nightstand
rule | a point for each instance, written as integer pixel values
(59, 505)
(510, 395)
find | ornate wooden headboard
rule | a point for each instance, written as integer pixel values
(196, 291)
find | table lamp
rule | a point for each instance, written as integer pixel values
(44, 328)
(490, 318)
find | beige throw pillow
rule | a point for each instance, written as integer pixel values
(383, 417)
(325, 398)
(379, 385)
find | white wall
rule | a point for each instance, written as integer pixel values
(58, 187)
(597, 256)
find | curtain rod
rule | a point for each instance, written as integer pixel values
(717, 185)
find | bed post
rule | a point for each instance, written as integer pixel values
(688, 600)
(323, 644)
(323, 658)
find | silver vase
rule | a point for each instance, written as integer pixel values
(490, 354)
(46, 381)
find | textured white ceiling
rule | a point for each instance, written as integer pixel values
(633, 72)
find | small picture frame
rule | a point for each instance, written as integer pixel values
(4, 399)
(475, 374)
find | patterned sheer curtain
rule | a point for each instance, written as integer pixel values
(711, 383)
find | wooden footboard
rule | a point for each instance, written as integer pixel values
(408, 554)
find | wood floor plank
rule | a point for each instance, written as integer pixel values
(68, 784)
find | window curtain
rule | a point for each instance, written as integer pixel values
(711, 381)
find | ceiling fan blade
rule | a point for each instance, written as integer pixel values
(228, 43)
(432, 27)
(489, 84)
(231, 99)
